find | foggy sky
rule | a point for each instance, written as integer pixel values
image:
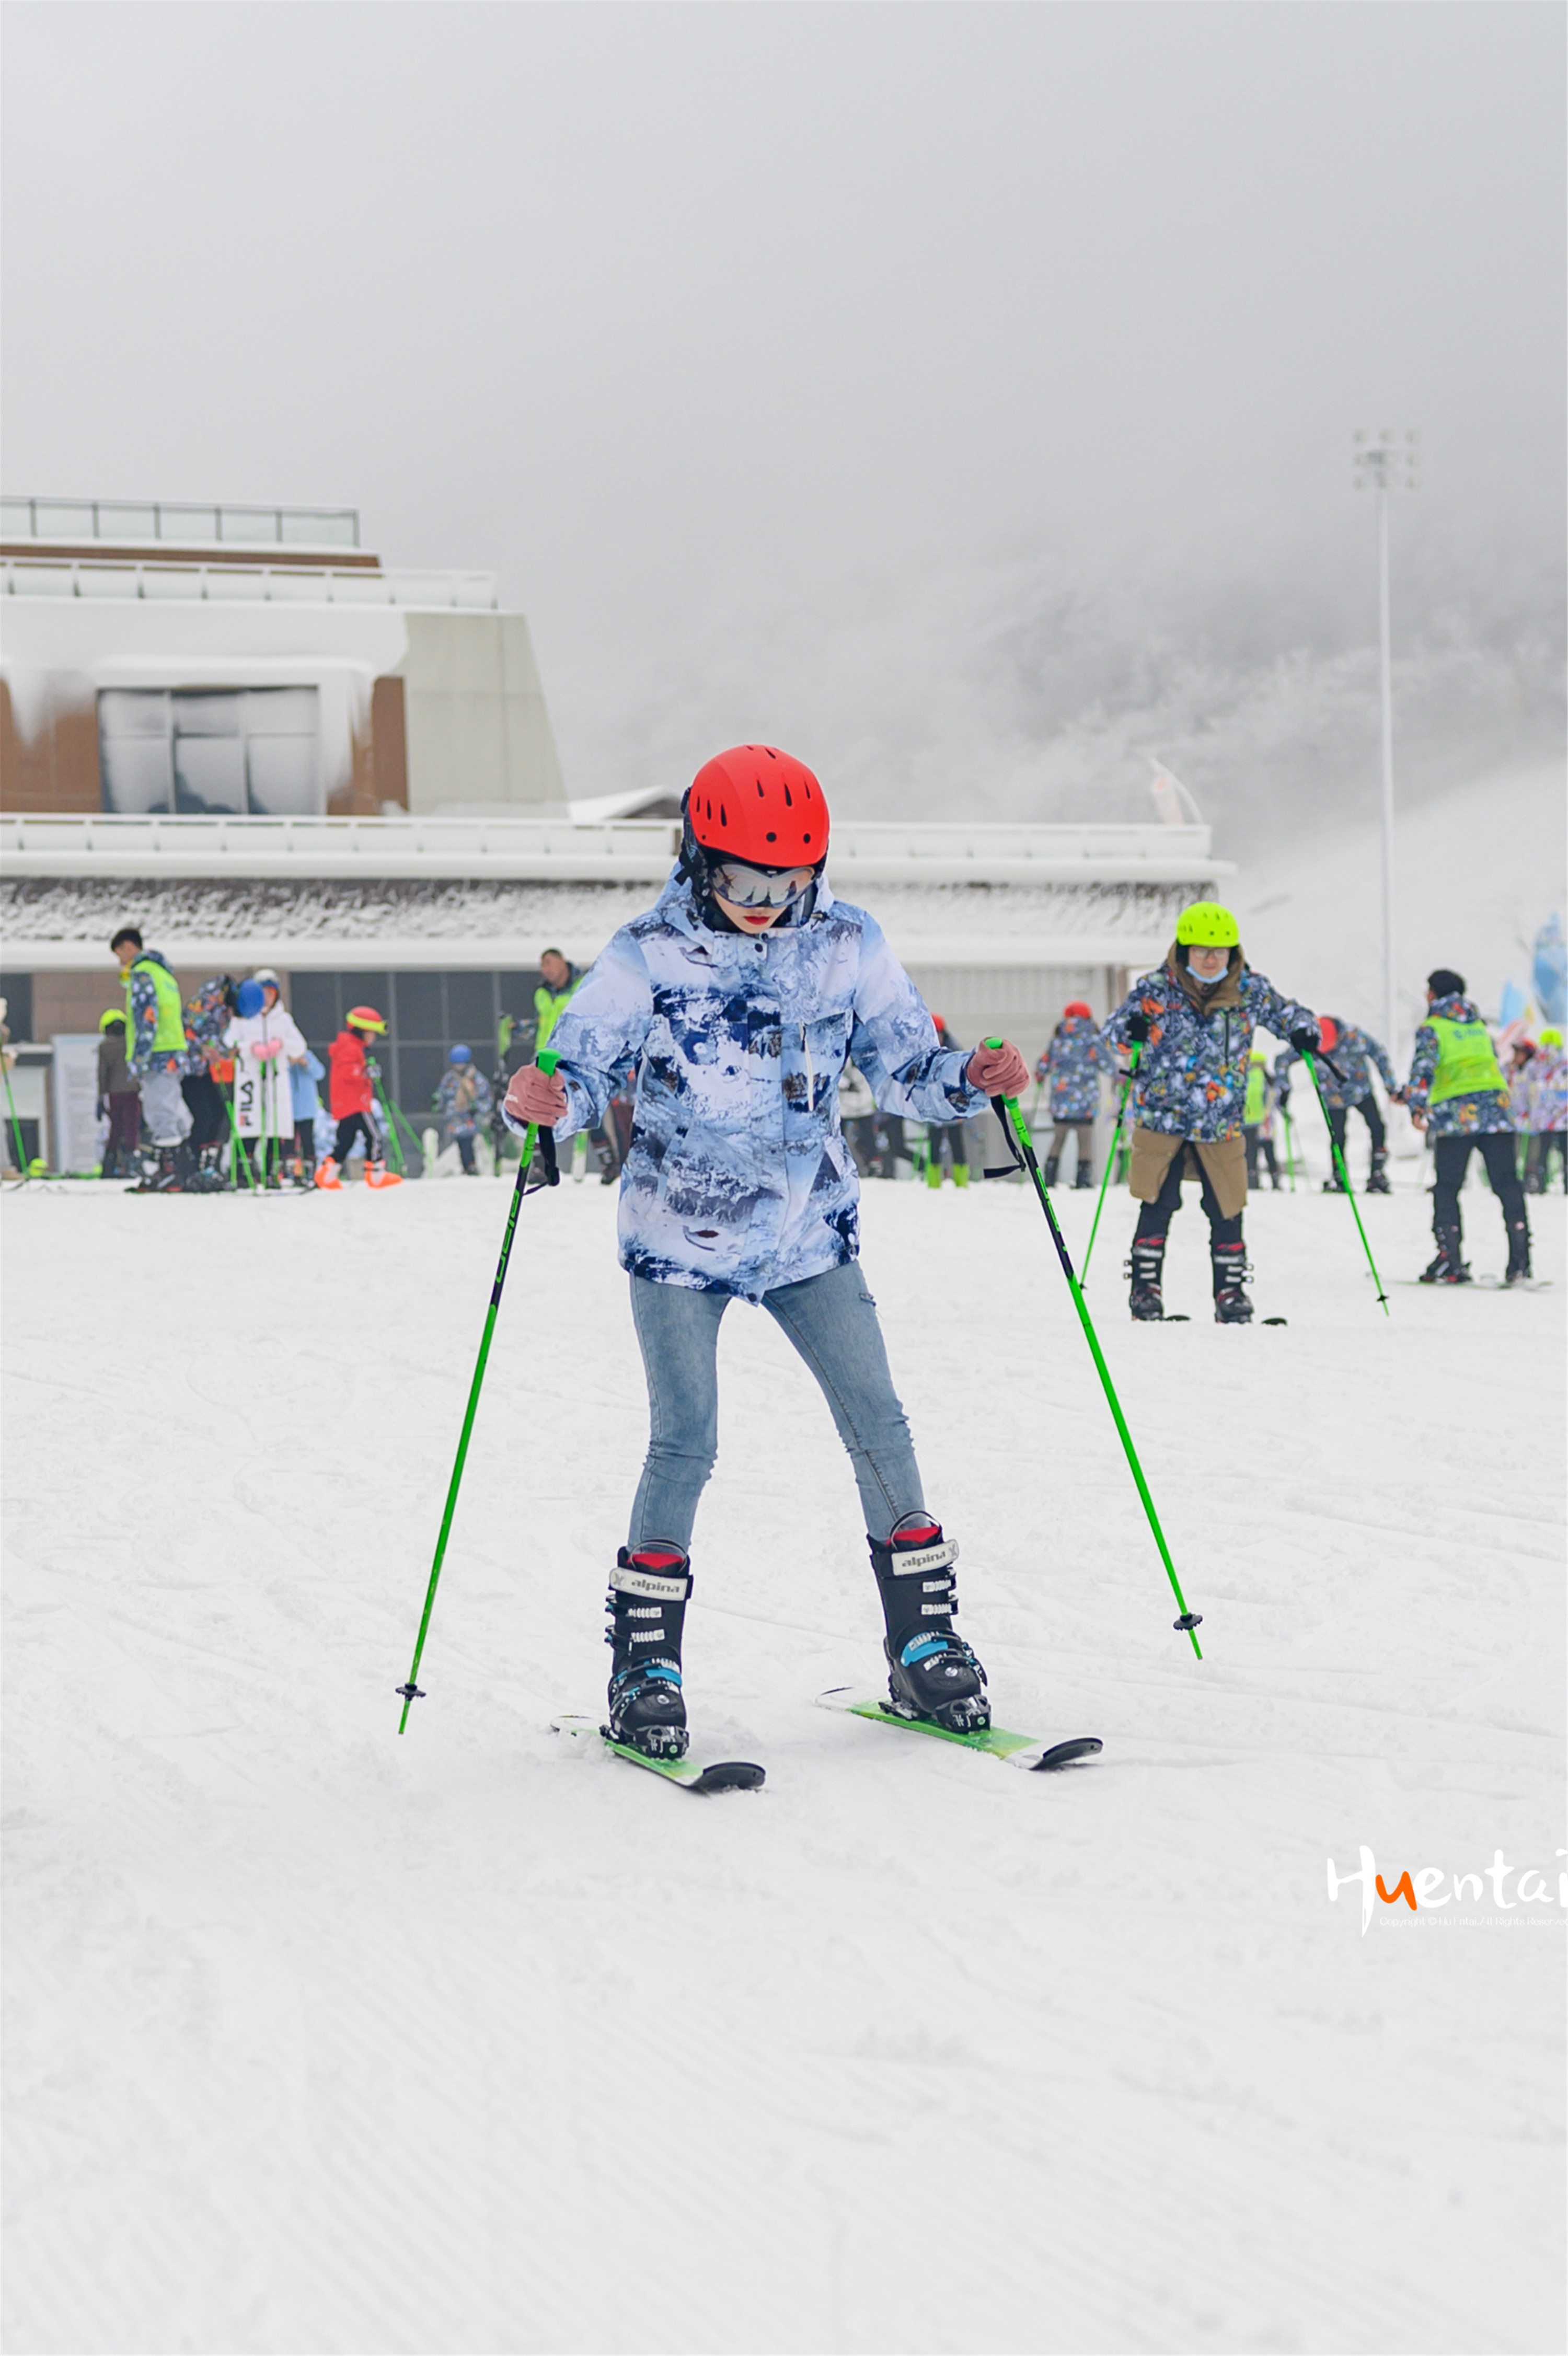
(959, 394)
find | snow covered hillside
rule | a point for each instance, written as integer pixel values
(475, 2041)
(1479, 871)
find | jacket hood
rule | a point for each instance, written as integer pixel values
(1226, 992)
(153, 956)
(1455, 1009)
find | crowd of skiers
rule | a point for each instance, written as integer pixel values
(221, 1089)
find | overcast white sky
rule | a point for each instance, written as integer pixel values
(822, 373)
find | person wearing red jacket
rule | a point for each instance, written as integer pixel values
(351, 1099)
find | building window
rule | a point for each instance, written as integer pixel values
(250, 751)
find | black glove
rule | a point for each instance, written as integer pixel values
(1282, 1096)
(1138, 1029)
(1306, 1039)
(100, 1110)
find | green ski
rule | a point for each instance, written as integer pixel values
(691, 1775)
(1030, 1751)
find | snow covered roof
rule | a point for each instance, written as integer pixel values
(523, 847)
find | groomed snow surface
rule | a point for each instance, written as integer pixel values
(478, 2041)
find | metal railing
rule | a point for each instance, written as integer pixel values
(519, 844)
(231, 583)
(177, 520)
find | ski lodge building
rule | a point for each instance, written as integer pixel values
(237, 729)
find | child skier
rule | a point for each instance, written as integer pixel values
(351, 1094)
(1194, 1018)
(738, 997)
(1458, 1094)
(263, 1040)
(119, 1096)
(463, 1101)
(1258, 1119)
(1346, 1082)
(1071, 1067)
(1548, 1113)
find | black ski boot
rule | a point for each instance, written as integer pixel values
(1519, 1252)
(1448, 1267)
(646, 1604)
(1147, 1268)
(1083, 1175)
(1049, 1167)
(162, 1178)
(931, 1673)
(1231, 1306)
(1377, 1180)
(1333, 1185)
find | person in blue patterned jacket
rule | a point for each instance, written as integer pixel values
(1347, 1081)
(1071, 1067)
(1457, 1094)
(1192, 1022)
(737, 999)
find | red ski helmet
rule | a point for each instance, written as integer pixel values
(1077, 1006)
(756, 804)
(363, 1018)
(1327, 1033)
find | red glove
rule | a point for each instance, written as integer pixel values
(997, 1071)
(536, 1096)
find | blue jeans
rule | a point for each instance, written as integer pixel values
(832, 1321)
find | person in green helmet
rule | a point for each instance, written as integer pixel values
(1457, 1094)
(1192, 1022)
(1548, 1113)
(119, 1096)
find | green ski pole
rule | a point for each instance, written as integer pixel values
(1311, 1063)
(1289, 1146)
(392, 1138)
(410, 1691)
(1008, 1113)
(13, 1117)
(1110, 1157)
(240, 1158)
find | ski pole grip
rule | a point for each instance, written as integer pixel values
(548, 1059)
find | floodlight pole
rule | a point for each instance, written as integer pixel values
(1376, 465)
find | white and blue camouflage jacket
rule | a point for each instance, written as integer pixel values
(738, 1179)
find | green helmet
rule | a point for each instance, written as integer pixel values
(1552, 1036)
(111, 1014)
(1207, 926)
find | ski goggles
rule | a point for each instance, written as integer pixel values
(758, 887)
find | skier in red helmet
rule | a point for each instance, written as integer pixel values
(737, 999)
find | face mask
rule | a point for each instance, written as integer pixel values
(1209, 980)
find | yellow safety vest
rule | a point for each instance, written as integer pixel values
(170, 1036)
(1466, 1060)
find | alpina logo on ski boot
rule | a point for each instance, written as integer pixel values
(1428, 1887)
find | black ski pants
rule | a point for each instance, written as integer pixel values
(353, 1125)
(208, 1113)
(1452, 1157)
(1259, 1142)
(1340, 1123)
(1154, 1218)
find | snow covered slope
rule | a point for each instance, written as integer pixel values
(1478, 870)
(325, 2040)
